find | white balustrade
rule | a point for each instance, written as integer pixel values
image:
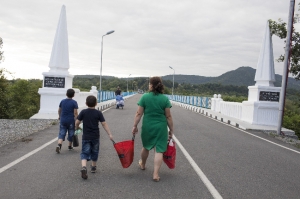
(231, 109)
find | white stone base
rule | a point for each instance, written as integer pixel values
(254, 91)
(260, 113)
(49, 102)
(63, 74)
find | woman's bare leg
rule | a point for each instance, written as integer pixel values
(158, 158)
(144, 156)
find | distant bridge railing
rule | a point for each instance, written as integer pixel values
(216, 103)
(109, 95)
(204, 102)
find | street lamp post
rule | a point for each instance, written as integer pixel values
(100, 88)
(173, 83)
(127, 83)
(132, 86)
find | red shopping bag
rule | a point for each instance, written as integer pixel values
(170, 154)
(125, 151)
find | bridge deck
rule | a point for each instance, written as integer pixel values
(214, 160)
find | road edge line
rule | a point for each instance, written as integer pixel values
(26, 156)
(202, 176)
(29, 154)
(242, 130)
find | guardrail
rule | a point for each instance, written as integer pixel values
(109, 95)
(204, 102)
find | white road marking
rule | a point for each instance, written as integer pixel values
(254, 135)
(249, 133)
(26, 156)
(29, 154)
(202, 176)
(268, 140)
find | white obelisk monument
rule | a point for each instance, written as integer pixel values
(263, 98)
(58, 80)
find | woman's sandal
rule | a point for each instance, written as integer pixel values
(156, 179)
(140, 165)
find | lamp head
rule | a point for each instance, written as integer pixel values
(112, 31)
(170, 67)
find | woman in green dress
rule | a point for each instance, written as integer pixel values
(155, 107)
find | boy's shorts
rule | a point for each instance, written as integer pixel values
(64, 128)
(90, 150)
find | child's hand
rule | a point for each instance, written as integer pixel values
(110, 136)
(78, 131)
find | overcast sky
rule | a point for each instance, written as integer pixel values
(195, 37)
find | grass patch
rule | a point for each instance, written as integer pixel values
(26, 140)
(297, 145)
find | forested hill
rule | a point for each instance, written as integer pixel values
(243, 76)
(93, 76)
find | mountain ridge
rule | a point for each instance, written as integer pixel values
(242, 76)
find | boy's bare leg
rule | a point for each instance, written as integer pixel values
(60, 141)
(94, 163)
(83, 163)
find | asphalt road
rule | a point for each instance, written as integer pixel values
(213, 160)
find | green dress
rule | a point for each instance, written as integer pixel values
(154, 126)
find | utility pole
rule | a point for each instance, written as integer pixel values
(286, 65)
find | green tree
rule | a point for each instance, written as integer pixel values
(23, 98)
(1, 52)
(291, 117)
(3, 87)
(4, 84)
(280, 29)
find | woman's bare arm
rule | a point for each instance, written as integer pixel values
(169, 121)
(137, 118)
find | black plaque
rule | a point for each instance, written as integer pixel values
(54, 82)
(269, 96)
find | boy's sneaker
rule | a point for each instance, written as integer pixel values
(84, 173)
(93, 169)
(70, 148)
(58, 148)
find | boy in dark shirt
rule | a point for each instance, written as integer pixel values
(91, 134)
(118, 91)
(67, 112)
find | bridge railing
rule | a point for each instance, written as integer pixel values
(109, 95)
(216, 103)
(231, 109)
(204, 102)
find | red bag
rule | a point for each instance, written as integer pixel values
(170, 155)
(125, 151)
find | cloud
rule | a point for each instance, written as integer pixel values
(200, 37)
